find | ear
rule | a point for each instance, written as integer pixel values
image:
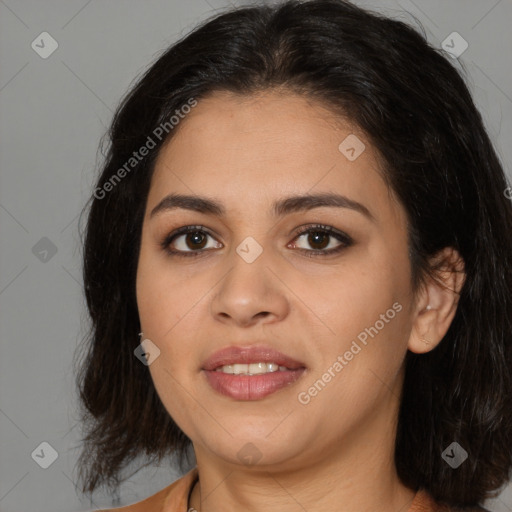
(437, 301)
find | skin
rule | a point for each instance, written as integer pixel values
(336, 452)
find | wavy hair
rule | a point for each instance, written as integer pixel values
(417, 111)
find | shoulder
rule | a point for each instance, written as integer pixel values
(466, 509)
(424, 502)
(174, 495)
(154, 503)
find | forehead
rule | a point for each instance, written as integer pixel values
(245, 148)
(277, 120)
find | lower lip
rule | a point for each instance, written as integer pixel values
(251, 387)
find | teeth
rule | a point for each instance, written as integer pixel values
(251, 369)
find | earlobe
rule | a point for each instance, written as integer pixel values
(436, 305)
(425, 336)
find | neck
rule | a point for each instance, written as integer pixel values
(362, 482)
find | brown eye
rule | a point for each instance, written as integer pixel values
(320, 237)
(195, 240)
(187, 241)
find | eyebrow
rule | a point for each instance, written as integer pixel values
(280, 207)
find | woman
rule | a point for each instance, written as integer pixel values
(296, 262)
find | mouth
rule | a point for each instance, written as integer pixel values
(251, 373)
(261, 355)
(259, 368)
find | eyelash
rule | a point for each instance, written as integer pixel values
(338, 235)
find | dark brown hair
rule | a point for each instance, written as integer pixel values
(417, 111)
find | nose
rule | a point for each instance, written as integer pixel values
(250, 293)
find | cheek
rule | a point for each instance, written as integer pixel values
(165, 309)
(357, 296)
(158, 287)
(357, 367)
(156, 296)
(366, 311)
(169, 305)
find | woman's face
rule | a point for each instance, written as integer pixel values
(248, 278)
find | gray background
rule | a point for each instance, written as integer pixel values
(53, 113)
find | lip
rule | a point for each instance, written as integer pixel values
(248, 355)
(255, 387)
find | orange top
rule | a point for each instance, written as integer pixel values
(174, 498)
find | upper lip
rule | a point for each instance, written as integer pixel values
(248, 355)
